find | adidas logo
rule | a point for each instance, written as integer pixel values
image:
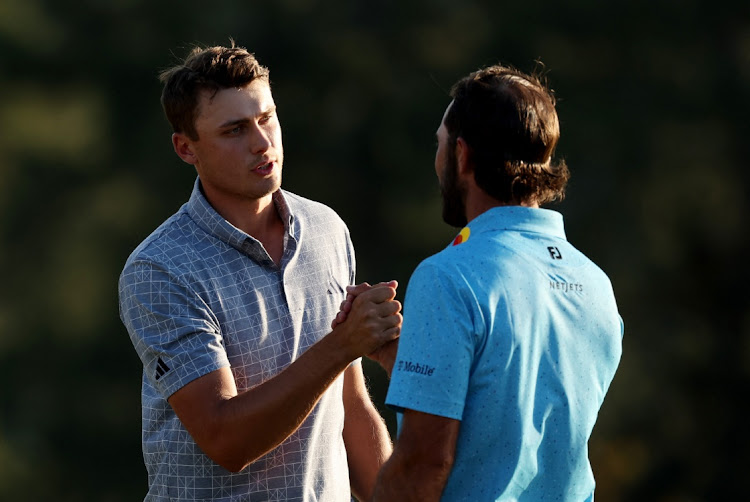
(161, 369)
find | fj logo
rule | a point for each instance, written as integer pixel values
(554, 253)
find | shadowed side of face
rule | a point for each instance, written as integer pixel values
(446, 167)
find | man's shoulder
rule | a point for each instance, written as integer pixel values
(440, 267)
(475, 255)
(467, 248)
(175, 233)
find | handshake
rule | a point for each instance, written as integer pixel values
(369, 320)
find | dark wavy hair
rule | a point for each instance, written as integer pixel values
(509, 122)
(205, 69)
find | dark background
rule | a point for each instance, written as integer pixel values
(654, 109)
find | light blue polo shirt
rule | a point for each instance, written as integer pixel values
(198, 295)
(515, 333)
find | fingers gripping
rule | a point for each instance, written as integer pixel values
(370, 319)
(353, 292)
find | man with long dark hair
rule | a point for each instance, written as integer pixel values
(511, 336)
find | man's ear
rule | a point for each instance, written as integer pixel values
(183, 147)
(463, 157)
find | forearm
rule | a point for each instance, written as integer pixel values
(368, 444)
(410, 481)
(367, 456)
(245, 426)
(422, 459)
(235, 428)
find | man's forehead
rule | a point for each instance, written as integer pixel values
(447, 108)
(445, 114)
(255, 97)
(258, 88)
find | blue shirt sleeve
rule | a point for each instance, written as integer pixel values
(174, 332)
(436, 348)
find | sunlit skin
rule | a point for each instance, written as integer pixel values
(441, 135)
(239, 156)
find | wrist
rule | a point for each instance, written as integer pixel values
(335, 345)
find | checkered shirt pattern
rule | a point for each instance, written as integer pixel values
(199, 294)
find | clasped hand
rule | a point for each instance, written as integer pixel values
(376, 307)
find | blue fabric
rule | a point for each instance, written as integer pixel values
(515, 333)
(199, 294)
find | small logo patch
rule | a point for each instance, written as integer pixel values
(411, 367)
(566, 287)
(554, 253)
(462, 236)
(161, 368)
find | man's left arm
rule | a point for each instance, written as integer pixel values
(422, 459)
(366, 438)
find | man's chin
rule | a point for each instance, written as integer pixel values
(272, 184)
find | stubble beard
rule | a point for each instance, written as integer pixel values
(454, 206)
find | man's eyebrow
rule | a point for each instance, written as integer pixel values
(234, 122)
(268, 111)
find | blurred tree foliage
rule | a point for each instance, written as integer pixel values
(653, 101)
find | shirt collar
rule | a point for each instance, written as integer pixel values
(206, 217)
(520, 218)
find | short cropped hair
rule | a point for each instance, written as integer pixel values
(205, 69)
(509, 122)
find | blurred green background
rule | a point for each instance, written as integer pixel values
(654, 103)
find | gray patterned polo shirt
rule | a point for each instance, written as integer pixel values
(199, 294)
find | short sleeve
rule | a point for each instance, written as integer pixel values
(173, 331)
(436, 348)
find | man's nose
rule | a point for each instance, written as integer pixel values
(260, 140)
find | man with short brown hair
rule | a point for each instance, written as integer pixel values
(247, 393)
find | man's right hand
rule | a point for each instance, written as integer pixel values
(385, 355)
(372, 318)
(351, 293)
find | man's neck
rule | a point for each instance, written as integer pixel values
(258, 218)
(268, 228)
(478, 202)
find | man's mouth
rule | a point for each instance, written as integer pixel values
(265, 168)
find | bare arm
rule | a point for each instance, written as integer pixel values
(422, 459)
(236, 429)
(368, 444)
